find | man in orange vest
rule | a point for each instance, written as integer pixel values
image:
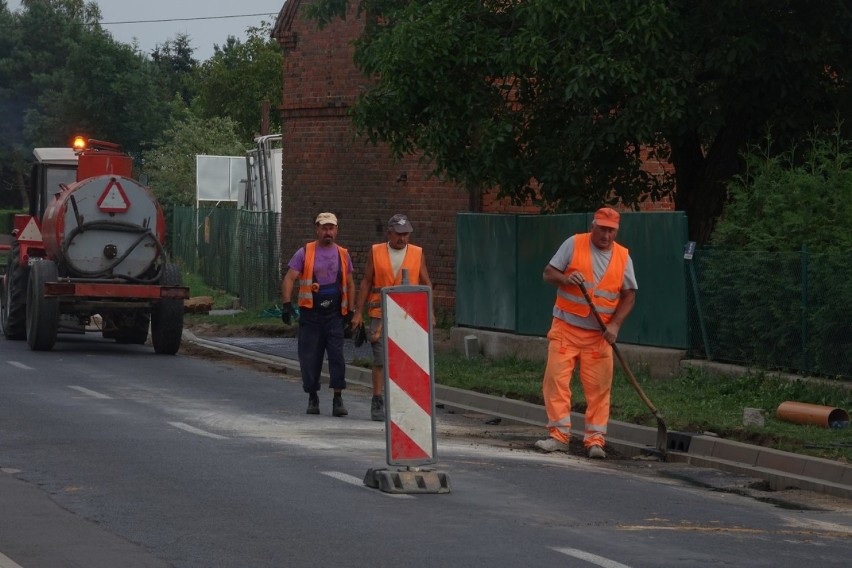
(324, 273)
(593, 260)
(384, 268)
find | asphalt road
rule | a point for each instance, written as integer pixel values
(114, 456)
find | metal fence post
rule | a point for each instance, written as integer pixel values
(805, 358)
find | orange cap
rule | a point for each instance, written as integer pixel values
(606, 217)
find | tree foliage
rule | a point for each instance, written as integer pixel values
(61, 74)
(787, 200)
(239, 76)
(553, 99)
(64, 75)
(177, 65)
(779, 265)
(171, 163)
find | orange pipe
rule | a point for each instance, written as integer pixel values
(806, 413)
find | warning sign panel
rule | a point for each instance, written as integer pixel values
(113, 199)
(31, 232)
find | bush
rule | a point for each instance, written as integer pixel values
(779, 265)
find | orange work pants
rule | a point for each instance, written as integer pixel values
(567, 346)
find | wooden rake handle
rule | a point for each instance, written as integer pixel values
(621, 360)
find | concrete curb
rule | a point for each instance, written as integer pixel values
(781, 470)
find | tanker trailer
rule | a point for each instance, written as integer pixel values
(89, 255)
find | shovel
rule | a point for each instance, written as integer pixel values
(662, 433)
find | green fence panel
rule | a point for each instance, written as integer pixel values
(486, 270)
(656, 241)
(539, 239)
(256, 258)
(773, 310)
(491, 280)
(182, 239)
(233, 250)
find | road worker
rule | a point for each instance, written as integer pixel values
(384, 268)
(593, 260)
(323, 270)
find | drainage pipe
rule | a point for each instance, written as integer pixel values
(806, 413)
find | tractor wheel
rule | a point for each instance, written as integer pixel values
(167, 316)
(42, 312)
(136, 333)
(13, 306)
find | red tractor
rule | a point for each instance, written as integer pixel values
(89, 255)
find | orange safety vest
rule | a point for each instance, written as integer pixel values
(606, 293)
(306, 279)
(383, 274)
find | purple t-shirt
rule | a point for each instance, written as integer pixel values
(326, 261)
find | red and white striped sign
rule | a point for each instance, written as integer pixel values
(409, 373)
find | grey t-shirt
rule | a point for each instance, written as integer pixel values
(600, 262)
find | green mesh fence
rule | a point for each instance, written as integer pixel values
(783, 310)
(232, 250)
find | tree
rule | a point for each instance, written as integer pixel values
(174, 58)
(772, 281)
(105, 90)
(35, 41)
(239, 77)
(76, 77)
(784, 201)
(171, 163)
(554, 100)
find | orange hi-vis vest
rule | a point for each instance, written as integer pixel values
(383, 274)
(606, 293)
(306, 279)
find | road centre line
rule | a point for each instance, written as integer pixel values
(6, 562)
(198, 431)
(352, 480)
(91, 393)
(20, 366)
(590, 558)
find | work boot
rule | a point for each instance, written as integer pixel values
(377, 408)
(596, 452)
(337, 408)
(313, 403)
(551, 445)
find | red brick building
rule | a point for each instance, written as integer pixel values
(327, 169)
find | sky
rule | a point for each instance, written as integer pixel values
(203, 33)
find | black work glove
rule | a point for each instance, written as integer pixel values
(287, 313)
(360, 335)
(347, 324)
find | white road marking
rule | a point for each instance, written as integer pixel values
(20, 366)
(351, 479)
(591, 558)
(91, 393)
(6, 562)
(194, 430)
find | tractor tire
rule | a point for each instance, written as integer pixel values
(167, 316)
(42, 313)
(13, 305)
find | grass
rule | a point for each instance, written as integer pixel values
(267, 321)
(695, 401)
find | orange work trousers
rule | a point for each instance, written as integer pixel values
(567, 346)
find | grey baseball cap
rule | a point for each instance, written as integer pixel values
(400, 224)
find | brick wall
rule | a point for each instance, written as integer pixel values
(325, 169)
